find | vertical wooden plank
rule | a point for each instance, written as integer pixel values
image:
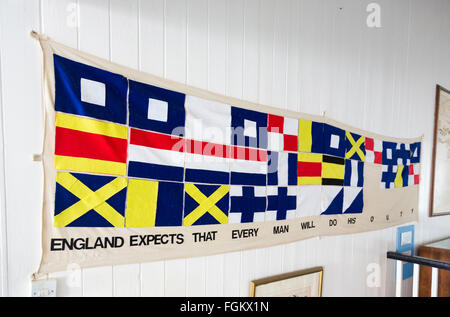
(344, 66)
(292, 87)
(248, 264)
(214, 275)
(275, 265)
(98, 281)
(124, 32)
(339, 261)
(217, 46)
(262, 258)
(280, 53)
(251, 50)
(354, 25)
(310, 56)
(60, 20)
(175, 278)
(175, 40)
(379, 70)
(390, 264)
(195, 277)
(321, 258)
(151, 36)
(3, 229)
(197, 43)
(289, 258)
(152, 279)
(235, 47)
(303, 255)
(335, 80)
(3, 236)
(231, 286)
(21, 96)
(326, 55)
(94, 27)
(385, 279)
(400, 99)
(380, 259)
(266, 29)
(312, 246)
(126, 280)
(374, 256)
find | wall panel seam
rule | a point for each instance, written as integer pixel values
(3, 216)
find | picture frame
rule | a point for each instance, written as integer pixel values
(303, 283)
(440, 188)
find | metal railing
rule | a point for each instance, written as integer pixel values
(417, 261)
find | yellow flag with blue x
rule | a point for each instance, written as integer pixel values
(206, 204)
(84, 200)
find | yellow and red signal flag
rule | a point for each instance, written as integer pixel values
(87, 145)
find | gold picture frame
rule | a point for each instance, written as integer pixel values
(304, 283)
(440, 188)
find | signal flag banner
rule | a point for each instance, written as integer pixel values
(138, 168)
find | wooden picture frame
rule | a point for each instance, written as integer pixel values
(304, 283)
(439, 104)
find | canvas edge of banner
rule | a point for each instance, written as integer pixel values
(49, 47)
(47, 95)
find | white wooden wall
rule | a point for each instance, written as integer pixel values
(304, 55)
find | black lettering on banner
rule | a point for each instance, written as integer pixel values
(57, 244)
(156, 239)
(332, 222)
(351, 221)
(307, 225)
(204, 236)
(244, 233)
(80, 244)
(280, 229)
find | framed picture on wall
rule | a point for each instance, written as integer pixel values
(440, 186)
(305, 283)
